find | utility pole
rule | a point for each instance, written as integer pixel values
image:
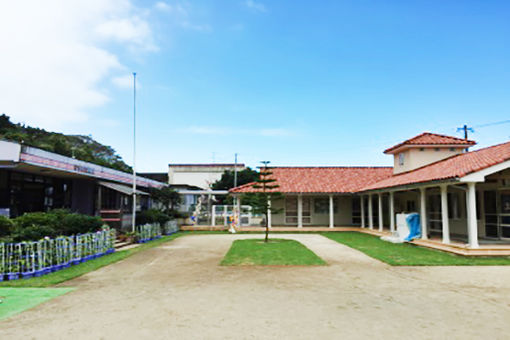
(237, 212)
(235, 171)
(465, 128)
(133, 221)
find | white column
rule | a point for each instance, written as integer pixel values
(331, 212)
(300, 211)
(444, 214)
(237, 211)
(225, 213)
(362, 202)
(213, 216)
(269, 225)
(423, 213)
(471, 214)
(370, 213)
(380, 212)
(392, 212)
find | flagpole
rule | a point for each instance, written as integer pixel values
(133, 221)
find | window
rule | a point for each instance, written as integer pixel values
(356, 210)
(291, 210)
(411, 206)
(452, 149)
(321, 205)
(453, 206)
(401, 158)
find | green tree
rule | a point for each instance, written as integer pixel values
(84, 148)
(265, 194)
(226, 181)
(168, 198)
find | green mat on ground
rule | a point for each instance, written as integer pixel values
(17, 300)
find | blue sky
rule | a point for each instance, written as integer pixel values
(293, 82)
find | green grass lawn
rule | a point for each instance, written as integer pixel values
(16, 300)
(84, 268)
(405, 254)
(274, 252)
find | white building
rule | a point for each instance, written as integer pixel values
(199, 175)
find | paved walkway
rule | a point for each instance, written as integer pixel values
(178, 291)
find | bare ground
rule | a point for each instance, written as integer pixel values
(179, 291)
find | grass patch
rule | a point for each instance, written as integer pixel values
(86, 267)
(275, 252)
(405, 254)
(16, 300)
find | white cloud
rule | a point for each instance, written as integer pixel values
(180, 14)
(163, 6)
(276, 132)
(125, 82)
(255, 6)
(229, 131)
(54, 55)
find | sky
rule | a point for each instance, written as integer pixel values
(298, 83)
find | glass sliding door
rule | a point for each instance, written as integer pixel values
(497, 214)
(504, 217)
(491, 213)
(291, 210)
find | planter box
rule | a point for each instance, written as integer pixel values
(12, 276)
(27, 275)
(39, 273)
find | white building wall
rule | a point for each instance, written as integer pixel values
(201, 176)
(417, 157)
(343, 215)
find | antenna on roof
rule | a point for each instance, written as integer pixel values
(465, 128)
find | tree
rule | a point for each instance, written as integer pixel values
(84, 148)
(266, 193)
(167, 197)
(226, 181)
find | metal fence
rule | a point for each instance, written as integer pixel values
(37, 258)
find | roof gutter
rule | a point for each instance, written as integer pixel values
(412, 186)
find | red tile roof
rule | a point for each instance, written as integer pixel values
(322, 179)
(428, 138)
(450, 168)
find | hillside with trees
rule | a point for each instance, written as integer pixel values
(84, 148)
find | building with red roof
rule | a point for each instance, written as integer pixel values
(458, 193)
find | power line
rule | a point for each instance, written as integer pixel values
(491, 124)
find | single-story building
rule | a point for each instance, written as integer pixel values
(32, 180)
(459, 194)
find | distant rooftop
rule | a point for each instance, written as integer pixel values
(209, 165)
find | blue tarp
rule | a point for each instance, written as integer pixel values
(413, 223)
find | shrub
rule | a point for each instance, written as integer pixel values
(33, 233)
(34, 226)
(6, 226)
(36, 219)
(71, 224)
(152, 216)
